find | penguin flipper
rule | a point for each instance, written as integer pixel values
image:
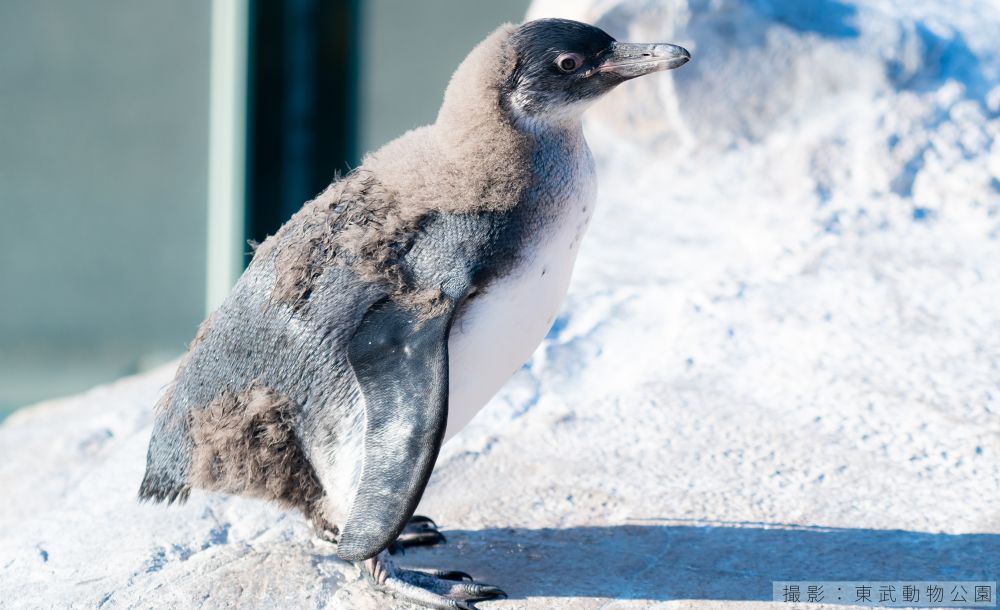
(401, 363)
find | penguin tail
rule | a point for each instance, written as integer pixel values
(158, 486)
(168, 460)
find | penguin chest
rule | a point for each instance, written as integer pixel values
(496, 331)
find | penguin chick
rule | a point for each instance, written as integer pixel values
(387, 311)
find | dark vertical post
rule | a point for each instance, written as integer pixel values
(301, 125)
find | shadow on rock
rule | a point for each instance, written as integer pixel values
(729, 561)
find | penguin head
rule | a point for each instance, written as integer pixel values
(563, 66)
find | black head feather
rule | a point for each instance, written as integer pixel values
(538, 84)
(562, 66)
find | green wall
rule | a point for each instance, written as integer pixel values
(103, 182)
(409, 51)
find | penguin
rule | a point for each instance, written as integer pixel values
(376, 322)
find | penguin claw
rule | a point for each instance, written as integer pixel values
(408, 539)
(481, 593)
(422, 519)
(454, 575)
(432, 588)
(444, 574)
(419, 531)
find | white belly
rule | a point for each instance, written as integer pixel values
(497, 331)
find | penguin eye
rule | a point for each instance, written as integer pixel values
(568, 62)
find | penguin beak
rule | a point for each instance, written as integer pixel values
(629, 60)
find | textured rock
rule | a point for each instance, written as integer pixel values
(780, 359)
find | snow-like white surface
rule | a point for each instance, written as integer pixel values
(779, 360)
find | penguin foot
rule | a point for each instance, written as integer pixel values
(428, 587)
(419, 531)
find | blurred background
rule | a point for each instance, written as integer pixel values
(143, 143)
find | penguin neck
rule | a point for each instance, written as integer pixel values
(501, 156)
(480, 134)
(484, 140)
(548, 129)
(477, 156)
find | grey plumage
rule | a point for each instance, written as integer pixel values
(322, 380)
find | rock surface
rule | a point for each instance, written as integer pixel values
(780, 358)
